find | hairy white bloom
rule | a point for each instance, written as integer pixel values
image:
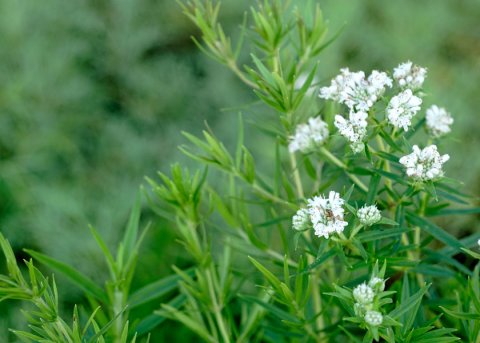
(377, 284)
(438, 121)
(402, 108)
(301, 220)
(373, 318)
(326, 214)
(354, 129)
(409, 75)
(363, 294)
(353, 90)
(309, 136)
(369, 215)
(426, 164)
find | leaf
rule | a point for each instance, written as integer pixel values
(155, 289)
(373, 188)
(152, 321)
(271, 278)
(369, 236)
(434, 230)
(276, 311)
(131, 233)
(388, 221)
(461, 315)
(83, 282)
(409, 304)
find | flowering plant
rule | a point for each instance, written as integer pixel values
(343, 190)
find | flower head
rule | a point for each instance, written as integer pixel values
(354, 129)
(353, 90)
(326, 214)
(402, 108)
(438, 121)
(409, 75)
(377, 284)
(369, 215)
(373, 318)
(363, 294)
(301, 220)
(309, 136)
(426, 164)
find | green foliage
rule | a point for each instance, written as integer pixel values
(241, 274)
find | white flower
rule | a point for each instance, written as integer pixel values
(373, 318)
(402, 108)
(353, 90)
(301, 220)
(309, 136)
(409, 75)
(354, 129)
(363, 294)
(326, 214)
(438, 121)
(478, 242)
(377, 284)
(426, 164)
(369, 215)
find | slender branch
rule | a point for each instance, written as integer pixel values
(342, 165)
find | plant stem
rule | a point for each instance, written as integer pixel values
(342, 165)
(234, 67)
(296, 176)
(216, 308)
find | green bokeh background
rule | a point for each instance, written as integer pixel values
(94, 94)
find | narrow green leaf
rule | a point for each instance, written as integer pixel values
(434, 230)
(72, 274)
(156, 289)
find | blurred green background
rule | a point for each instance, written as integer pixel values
(94, 94)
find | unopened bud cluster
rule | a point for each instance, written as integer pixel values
(366, 306)
(369, 215)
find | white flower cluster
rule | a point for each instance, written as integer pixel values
(409, 75)
(373, 318)
(402, 108)
(354, 129)
(309, 136)
(301, 220)
(326, 214)
(424, 165)
(438, 121)
(365, 306)
(369, 215)
(354, 90)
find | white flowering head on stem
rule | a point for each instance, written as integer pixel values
(409, 75)
(377, 284)
(354, 129)
(373, 318)
(369, 215)
(301, 220)
(424, 164)
(353, 90)
(438, 121)
(309, 136)
(363, 294)
(402, 108)
(327, 214)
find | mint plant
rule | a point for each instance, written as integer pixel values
(327, 237)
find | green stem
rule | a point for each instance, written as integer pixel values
(233, 67)
(332, 158)
(296, 176)
(217, 310)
